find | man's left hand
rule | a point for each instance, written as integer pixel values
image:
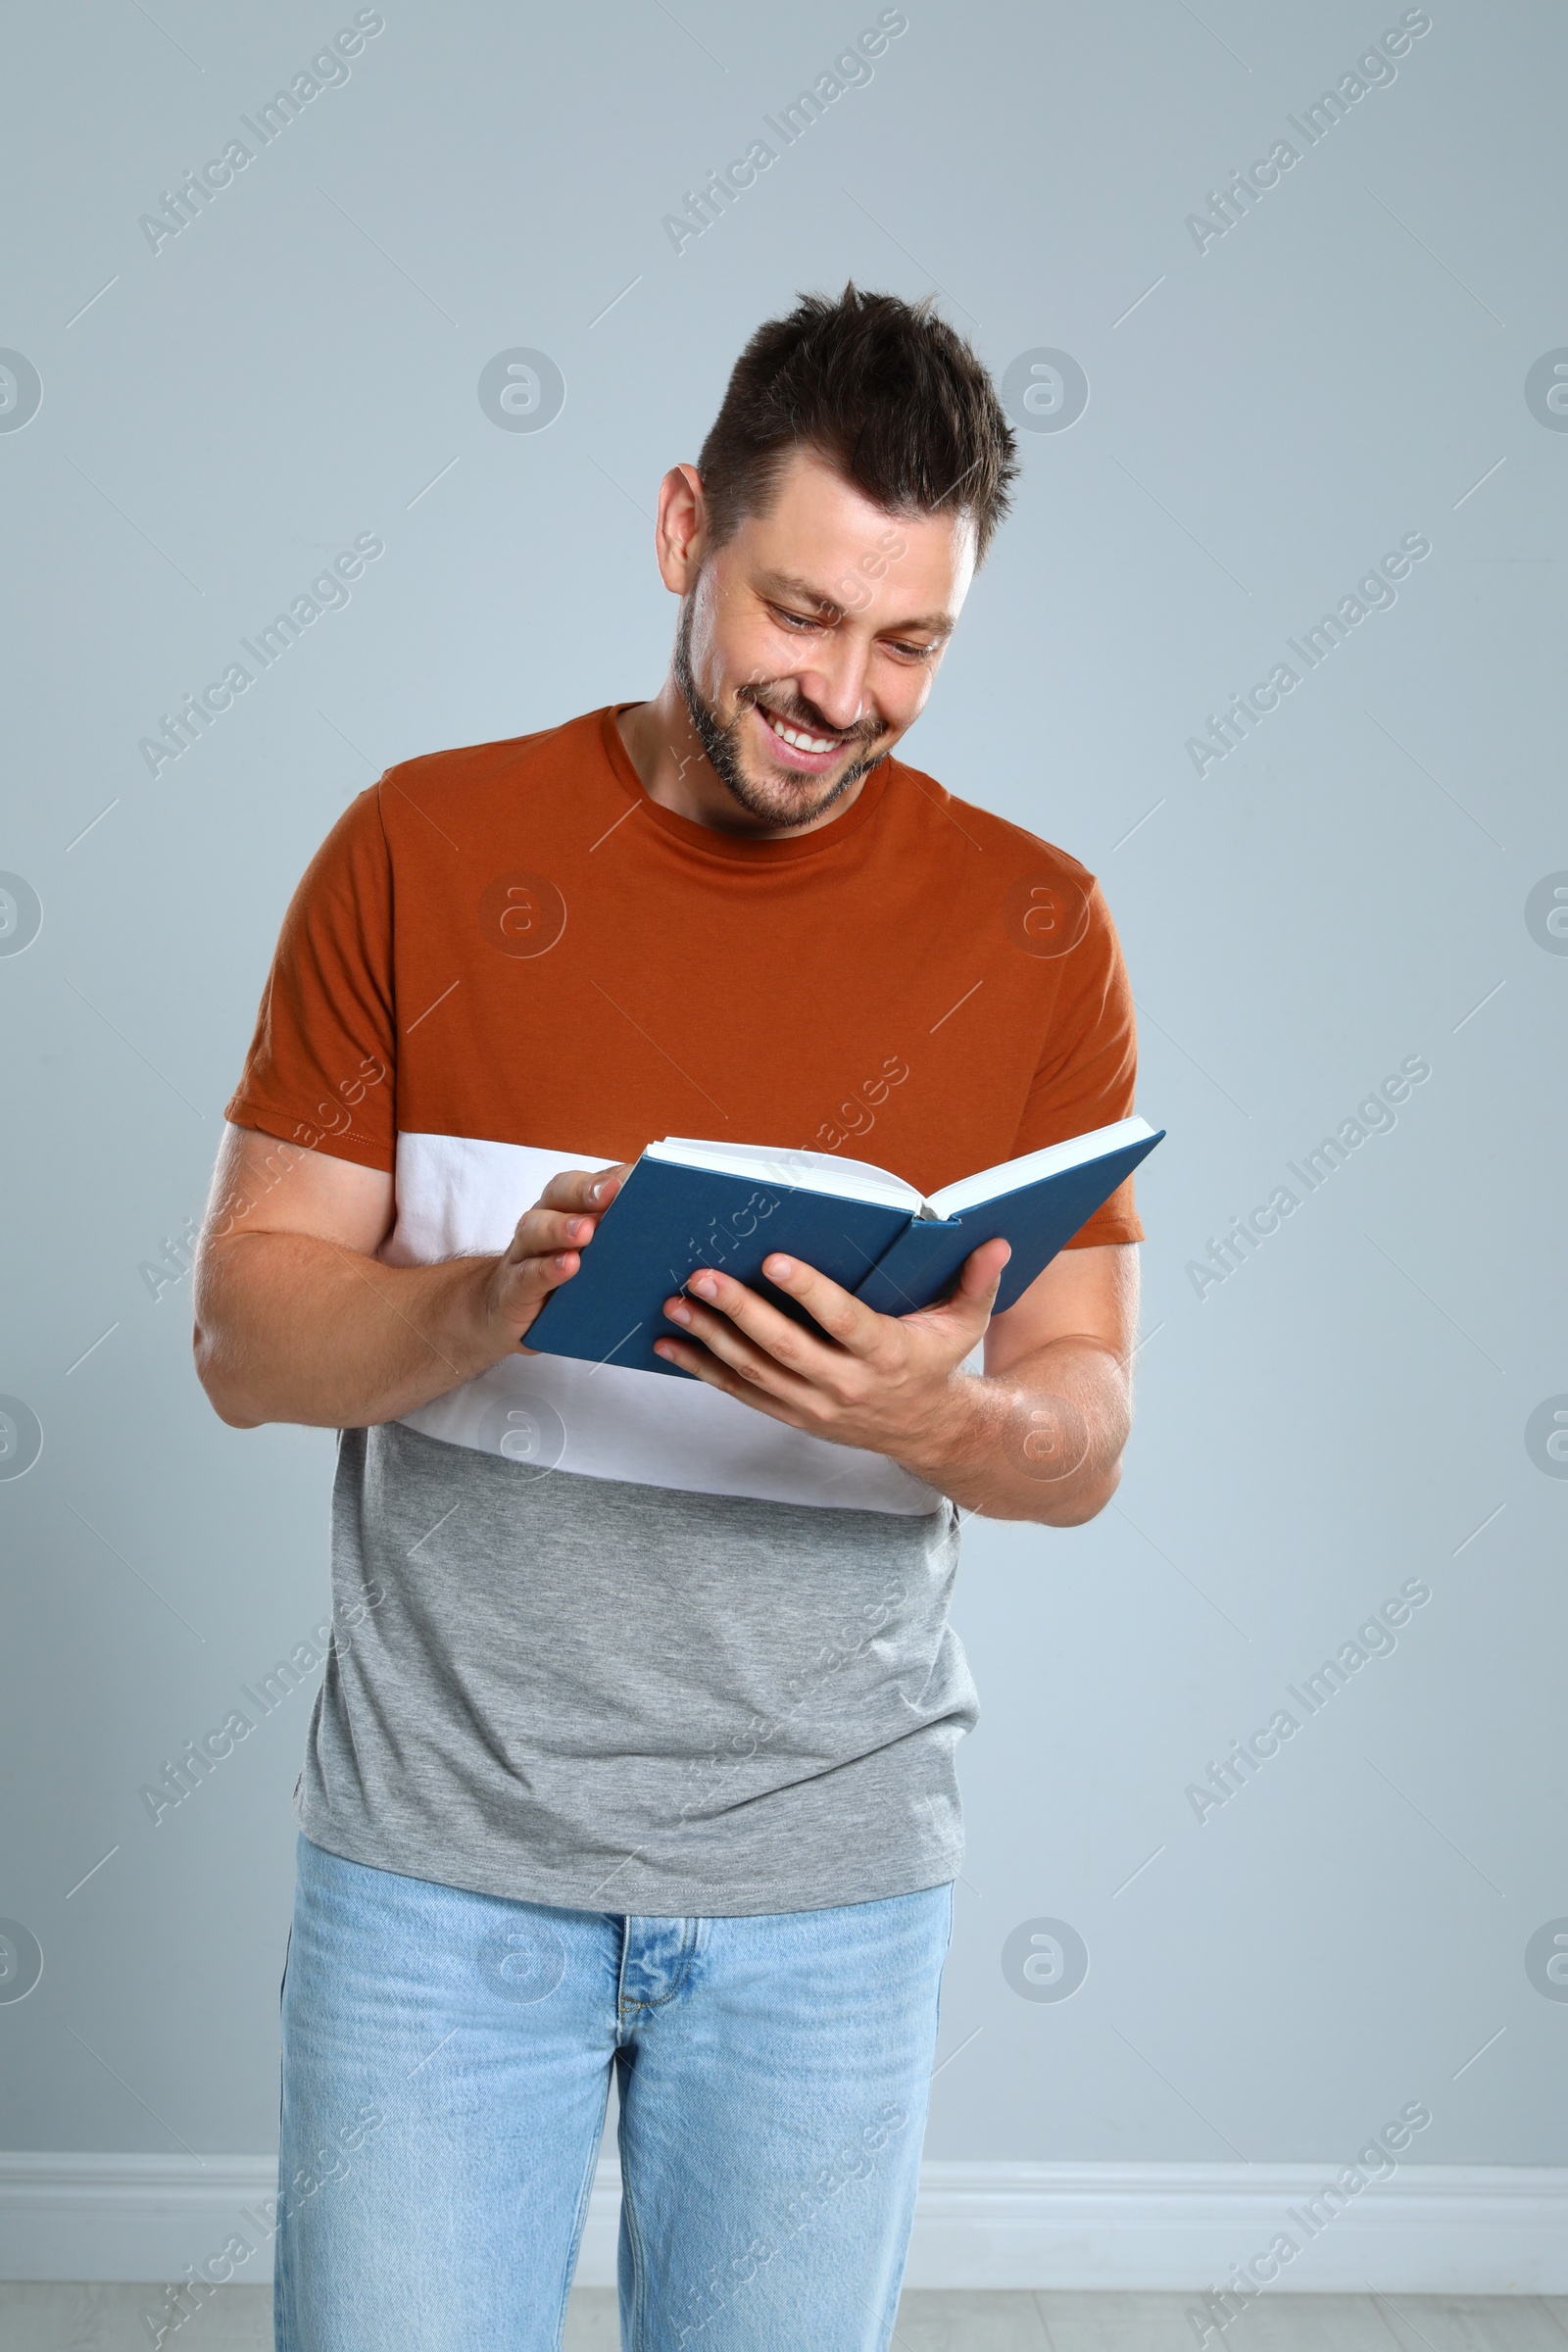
(1038, 1435)
(883, 1382)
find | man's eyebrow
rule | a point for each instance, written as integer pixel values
(789, 585)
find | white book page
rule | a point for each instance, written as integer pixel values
(790, 1170)
(1014, 1174)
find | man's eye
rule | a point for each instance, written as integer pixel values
(796, 620)
(915, 653)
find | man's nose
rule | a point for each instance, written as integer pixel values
(837, 689)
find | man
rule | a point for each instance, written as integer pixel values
(635, 1748)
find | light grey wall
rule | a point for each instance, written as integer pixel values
(1347, 888)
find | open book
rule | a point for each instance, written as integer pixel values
(688, 1203)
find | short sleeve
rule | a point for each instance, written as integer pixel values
(1088, 1069)
(320, 1070)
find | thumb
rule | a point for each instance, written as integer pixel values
(981, 1276)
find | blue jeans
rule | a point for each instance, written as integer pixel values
(446, 2072)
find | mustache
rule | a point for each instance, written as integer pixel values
(795, 712)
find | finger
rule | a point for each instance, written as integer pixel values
(980, 1277)
(522, 1269)
(718, 1375)
(782, 1338)
(525, 1283)
(591, 1189)
(547, 1244)
(848, 1323)
(721, 1335)
(541, 1232)
(527, 1277)
(557, 1215)
(973, 1295)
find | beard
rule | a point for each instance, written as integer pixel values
(778, 803)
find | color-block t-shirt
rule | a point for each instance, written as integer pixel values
(619, 1641)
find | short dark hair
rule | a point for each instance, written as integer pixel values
(883, 389)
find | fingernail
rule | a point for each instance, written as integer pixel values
(679, 1314)
(778, 1266)
(705, 1286)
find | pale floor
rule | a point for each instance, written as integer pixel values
(108, 2319)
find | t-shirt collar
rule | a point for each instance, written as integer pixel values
(737, 849)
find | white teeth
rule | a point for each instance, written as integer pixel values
(801, 743)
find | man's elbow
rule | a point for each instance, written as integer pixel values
(1086, 1502)
(220, 1390)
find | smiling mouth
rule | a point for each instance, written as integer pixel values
(800, 739)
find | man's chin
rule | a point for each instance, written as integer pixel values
(781, 798)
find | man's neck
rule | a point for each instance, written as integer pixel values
(665, 750)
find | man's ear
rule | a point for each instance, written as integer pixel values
(681, 530)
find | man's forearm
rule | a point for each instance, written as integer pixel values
(1041, 1440)
(292, 1328)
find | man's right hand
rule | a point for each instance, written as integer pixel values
(547, 1247)
(298, 1318)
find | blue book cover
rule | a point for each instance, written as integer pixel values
(689, 1203)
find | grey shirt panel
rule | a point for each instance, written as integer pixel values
(623, 1697)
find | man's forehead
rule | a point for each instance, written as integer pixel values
(808, 490)
(821, 541)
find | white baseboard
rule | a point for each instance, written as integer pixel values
(1475, 2229)
(1432, 2229)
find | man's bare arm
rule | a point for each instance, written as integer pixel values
(298, 1320)
(1040, 1436)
